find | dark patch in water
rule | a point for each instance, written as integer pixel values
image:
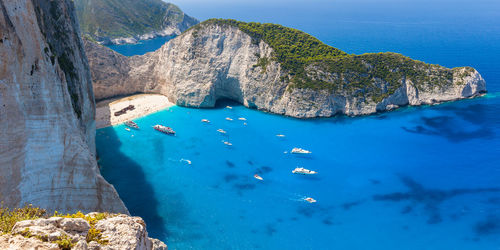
(429, 199)
(406, 210)
(244, 186)
(230, 177)
(406, 227)
(487, 227)
(493, 201)
(250, 163)
(230, 164)
(279, 220)
(374, 182)
(449, 127)
(306, 211)
(349, 205)
(294, 218)
(254, 231)
(270, 229)
(264, 170)
(327, 221)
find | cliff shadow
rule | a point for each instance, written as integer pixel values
(130, 182)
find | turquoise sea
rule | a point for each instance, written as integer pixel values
(417, 178)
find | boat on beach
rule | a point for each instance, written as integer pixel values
(303, 171)
(300, 151)
(164, 129)
(131, 124)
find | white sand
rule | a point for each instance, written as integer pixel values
(144, 104)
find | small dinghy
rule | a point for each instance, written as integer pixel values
(303, 171)
(163, 129)
(222, 131)
(228, 119)
(310, 200)
(205, 121)
(131, 124)
(256, 176)
(300, 151)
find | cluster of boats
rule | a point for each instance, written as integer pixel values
(160, 128)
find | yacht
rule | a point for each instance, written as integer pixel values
(310, 200)
(131, 124)
(303, 171)
(300, 151)
(163, 129)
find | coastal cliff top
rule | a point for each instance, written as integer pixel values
(311, 64)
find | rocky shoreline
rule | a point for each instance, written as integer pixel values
(213, 61)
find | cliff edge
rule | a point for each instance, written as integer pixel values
(47, 110)
(277, 69)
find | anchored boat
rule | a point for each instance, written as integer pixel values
(303, 171)
(163, 129)
(131, 124)
(300, 151)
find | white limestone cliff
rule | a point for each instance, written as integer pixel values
(211, 61)
(47, 110)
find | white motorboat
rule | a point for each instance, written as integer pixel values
(222, 131)
(242, 119)
(300, 151)
(163, 129)
(256, 176)
(280, 135)
(131, 124)
(229, 119)
(310, 200)
(227, 143)
(229, 107)
(303, 171)
(205, 121)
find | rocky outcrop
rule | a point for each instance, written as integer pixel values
(47, 110)
(114, 232)
(212, 61)
(129, 21)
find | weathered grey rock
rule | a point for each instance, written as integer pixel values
(18, 242)
(213, 61)
(47, 110)
(121, 232)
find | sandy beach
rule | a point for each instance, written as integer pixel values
(144, 104)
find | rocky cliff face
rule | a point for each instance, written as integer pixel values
(47, 110)
(213, 61)
(128, 21)
(115, 232)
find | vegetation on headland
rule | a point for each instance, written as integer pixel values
(9, 217)
(127, 18)
(311, 64)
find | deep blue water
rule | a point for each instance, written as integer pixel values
(416, 178)
(142, 47)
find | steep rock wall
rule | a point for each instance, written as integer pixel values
(47, 110)
(211, 61)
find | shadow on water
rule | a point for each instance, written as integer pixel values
(456, 120)
(428, 198)
(130, 181)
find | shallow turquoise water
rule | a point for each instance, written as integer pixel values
(417, 178)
